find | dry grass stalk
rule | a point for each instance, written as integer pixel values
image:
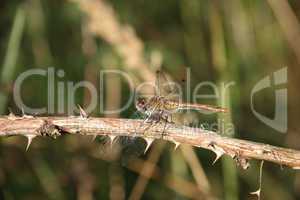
(102, 21)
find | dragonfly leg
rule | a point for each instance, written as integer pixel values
(153, 118)
(163, 133)
(167, 118)
(150, 121)
(170, 119)
(157, 117)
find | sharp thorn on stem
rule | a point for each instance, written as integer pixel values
(11, 115)
(219, 154)
(112, 139)
(24, 115)
(23, 112)
(29, 140)
(83, 114)
(257, 193)
(176, 144)
(218, 151)
(149, 141)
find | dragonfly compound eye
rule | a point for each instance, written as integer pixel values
(140, 102)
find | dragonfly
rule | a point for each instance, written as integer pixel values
(160, 107)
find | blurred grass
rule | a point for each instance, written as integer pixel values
(224, 74)
(9, 66)
(240, 41)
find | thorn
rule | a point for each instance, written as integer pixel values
(202, 126)
(218, 151)
(83, 114)
(24, 115)
(257, 193)
(29, 140)
(176, 144)
(112, 139)
(11, 115)
(219, 154)
(149, 141)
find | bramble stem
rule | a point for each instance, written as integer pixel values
(240, 150)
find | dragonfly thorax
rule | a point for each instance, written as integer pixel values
(154, 104)
(145, 105)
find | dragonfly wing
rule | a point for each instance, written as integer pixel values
(167, 88)
(204, 108)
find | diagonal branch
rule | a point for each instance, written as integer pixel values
(239, 150)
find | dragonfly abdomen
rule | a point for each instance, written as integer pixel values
(201, 107)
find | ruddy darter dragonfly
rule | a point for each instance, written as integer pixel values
(160, 107)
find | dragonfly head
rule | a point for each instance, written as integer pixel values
(141, 104)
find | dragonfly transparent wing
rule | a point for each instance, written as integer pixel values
(167, 88)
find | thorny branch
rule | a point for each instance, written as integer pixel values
(240, 150)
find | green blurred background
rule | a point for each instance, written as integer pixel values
(220, 41)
